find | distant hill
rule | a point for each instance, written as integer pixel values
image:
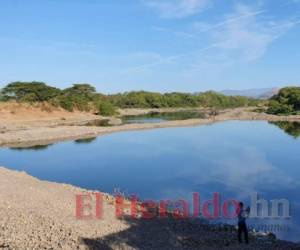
(263, 93)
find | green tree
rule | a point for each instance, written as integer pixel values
(29, 91)
(287, 101)
(78, 96)
(83, 89)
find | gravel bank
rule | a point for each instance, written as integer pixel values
(37, 214)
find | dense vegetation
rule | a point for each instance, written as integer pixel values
(81, 97)
(84, 97)
(144, 99)
(286, 102)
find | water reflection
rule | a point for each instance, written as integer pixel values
(156, 117)
(152, 117)
(232, 158)
(85, 140)
(34, 148)
(291, 128)
(99, 123)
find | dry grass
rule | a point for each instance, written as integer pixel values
(13, 111)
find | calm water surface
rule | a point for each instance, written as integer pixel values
(233, 158)
(156, 117)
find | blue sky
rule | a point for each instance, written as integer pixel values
(155, 45)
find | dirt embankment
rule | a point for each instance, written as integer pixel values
(18, 116)
(24, 125)
(38, 214)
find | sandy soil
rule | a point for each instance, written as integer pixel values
(17, 116)
(37, 214)
(28, 126)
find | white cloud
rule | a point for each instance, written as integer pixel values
(206, 27)
(177, 8)
(248, 171)
(242, 36)
(248, 38)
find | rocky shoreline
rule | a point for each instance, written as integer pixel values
(37, 214)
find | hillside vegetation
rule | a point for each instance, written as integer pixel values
(286, 102)
(84, 97)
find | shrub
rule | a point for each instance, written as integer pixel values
(278, 108)
(106, 108)
(66, 103)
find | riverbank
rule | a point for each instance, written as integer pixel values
(24, 132)
(37, 214)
